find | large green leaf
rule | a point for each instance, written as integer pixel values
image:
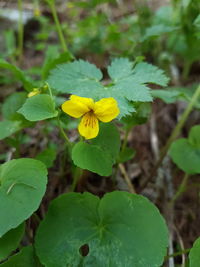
(128, 83)
(12, 104)
(194, 256)
(121, 229)
(186, 152)
(39, 107)
(10, 241)
(19, 74)
(22, 186)
(25, 258)
(92, 158)
(8, 128)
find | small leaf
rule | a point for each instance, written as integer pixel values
(22, 186)
(92, 158)
(168, 96)
(194, 255)
(26, 258)
(186, 152)
(8, 128)
(126, 154)
(121, 229)
(194, 136)
(39, 107)
(11, 240)
(47, 156)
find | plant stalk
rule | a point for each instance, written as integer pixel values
(58, 26)
(181, 189)
(20, 31)
(174, 134)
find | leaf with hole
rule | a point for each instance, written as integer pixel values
(121, 229)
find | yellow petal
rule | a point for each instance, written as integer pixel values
(106, 109)
(77, 106)
(89, 126)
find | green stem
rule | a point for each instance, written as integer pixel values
(185, 251)
(174, 134)
(64, 134)
(181, 189)
(20, 31)
(77, 176)
(58, 26)
(125, 138)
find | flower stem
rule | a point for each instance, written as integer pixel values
(58, 26)
(174, 134)
(181, 189)
(20, 31)
(63, 133)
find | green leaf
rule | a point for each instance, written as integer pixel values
(194, 255)
(157, 31)
(126, 154)
(129, 84)
(19, 74)
(8, 128)
(26, 258)
(92, 158)
(168, 96)
(186, 152)
(12, 104)
(39, 107)
(120, 68)
(194, 136)
(22, 186)
(79, 78)
(121, 229)
(47, 156)
(147, 73)
(10, 241)
(108, 139)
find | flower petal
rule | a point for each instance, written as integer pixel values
(106, 109)
(89, 126)
(77, 106)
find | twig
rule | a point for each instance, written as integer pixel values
(127, 179)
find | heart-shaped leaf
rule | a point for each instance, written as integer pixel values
(39, 107)
(186, 152)
(121, 229)
(22, 186)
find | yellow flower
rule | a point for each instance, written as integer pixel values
(104, 110)
(35, 91)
